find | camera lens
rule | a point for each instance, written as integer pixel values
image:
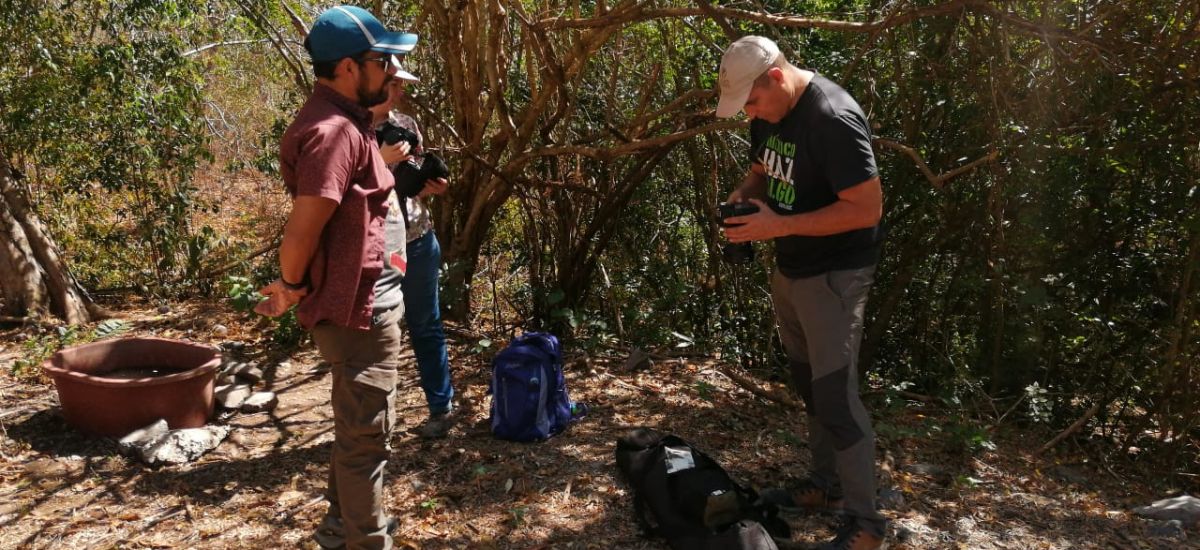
(736, 253)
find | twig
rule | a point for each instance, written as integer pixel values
(195, 51)
(1009, 411)
(1095, 408)
(272, 245)
(627, 385)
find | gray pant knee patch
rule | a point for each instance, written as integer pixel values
(831, 404)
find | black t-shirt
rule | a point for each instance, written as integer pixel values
(822, 146)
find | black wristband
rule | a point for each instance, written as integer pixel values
(290, 286)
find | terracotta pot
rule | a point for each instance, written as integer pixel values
(181, 391)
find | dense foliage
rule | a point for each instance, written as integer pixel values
(102, 112)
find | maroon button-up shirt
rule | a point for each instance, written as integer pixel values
(330, 151)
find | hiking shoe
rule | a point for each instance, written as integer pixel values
(851, 536)
(330, 534)
(437, 426)
(806, 497)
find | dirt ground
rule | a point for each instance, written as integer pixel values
(261, 487)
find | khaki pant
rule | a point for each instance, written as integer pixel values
(363, 397)
(821, 324)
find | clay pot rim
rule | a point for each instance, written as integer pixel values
(59, 373)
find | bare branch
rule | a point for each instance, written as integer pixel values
(195, 51)
(606, 153)
(641, 12)
(938, 181)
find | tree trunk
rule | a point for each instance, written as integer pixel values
(33, 277)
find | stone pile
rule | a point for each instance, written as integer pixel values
(235, 388)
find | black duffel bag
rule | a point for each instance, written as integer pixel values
(686, 497)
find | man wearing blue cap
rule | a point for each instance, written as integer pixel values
(339, 259)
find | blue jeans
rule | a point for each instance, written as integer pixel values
(423, 316)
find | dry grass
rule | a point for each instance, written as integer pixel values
(262, 486)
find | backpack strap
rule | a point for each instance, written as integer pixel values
(640, 514)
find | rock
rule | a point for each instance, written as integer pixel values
(225, 379)
(1185, 508)
(923, 469)
(132, 443)
(220, 330)
(1067, 474)
(232, 396)
(901, 534)
(164, 309)
(248, 372)
(46, 468)
(637, 359)
(1167, 530)
(260, 401)
(889, 498)
(183, 446)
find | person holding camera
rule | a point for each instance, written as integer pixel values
(814, 188)
(419, 175)
(340, 262)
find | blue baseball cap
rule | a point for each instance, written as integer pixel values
(344, 31)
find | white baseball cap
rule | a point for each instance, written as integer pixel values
(743, 62)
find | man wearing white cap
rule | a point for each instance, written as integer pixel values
(334, 253)
(422, 313)
(814, 180)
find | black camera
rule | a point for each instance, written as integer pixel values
(736, 253)
(411, 177)
(391, 133)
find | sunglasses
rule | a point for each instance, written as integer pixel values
(384, 62)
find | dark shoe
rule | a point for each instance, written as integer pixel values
(804, 498)
(331, 535)
(437, 426)
(851, 536)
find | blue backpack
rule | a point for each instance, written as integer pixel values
(529, 394)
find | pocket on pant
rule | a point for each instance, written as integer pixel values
(849, 284)
(378, 376)
(363, 396)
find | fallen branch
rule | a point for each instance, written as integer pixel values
(1072, 428)
(913, 396)
(754, 388)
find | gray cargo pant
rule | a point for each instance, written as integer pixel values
(363, 397)
(821, 325)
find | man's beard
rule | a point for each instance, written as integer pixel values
(369, 99)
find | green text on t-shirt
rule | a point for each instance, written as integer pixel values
(777, 159)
